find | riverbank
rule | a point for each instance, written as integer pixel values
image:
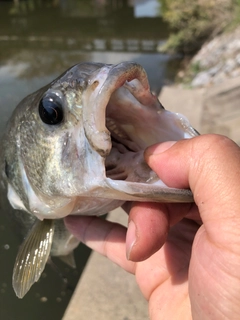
(208, 89)
(210, 109)
(217, 61)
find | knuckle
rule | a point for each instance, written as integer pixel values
(214, 145)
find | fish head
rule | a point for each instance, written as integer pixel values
(76, 145)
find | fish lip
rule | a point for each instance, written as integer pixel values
(101, 86)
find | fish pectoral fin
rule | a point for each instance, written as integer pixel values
(32, 256)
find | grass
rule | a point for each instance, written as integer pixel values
(194, 21)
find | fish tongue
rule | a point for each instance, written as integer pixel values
(32, 256)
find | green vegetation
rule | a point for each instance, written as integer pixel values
(194, 21)
(236, 13)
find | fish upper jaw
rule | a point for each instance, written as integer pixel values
(96, 97)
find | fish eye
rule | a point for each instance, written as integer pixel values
(51, 110)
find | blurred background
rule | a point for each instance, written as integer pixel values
(39, 39)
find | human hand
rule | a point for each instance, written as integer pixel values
(186, 257)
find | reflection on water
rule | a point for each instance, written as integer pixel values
(38, 41)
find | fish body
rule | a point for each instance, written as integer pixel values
(76, 146)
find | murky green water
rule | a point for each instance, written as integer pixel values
(38, 41)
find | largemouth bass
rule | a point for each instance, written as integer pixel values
(76, 146)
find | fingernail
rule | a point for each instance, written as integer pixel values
(159, 148)
(130, 239)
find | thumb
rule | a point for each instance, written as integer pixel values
(210, 166)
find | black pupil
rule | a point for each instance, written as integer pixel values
(50, 110)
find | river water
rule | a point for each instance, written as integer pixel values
(38, 41)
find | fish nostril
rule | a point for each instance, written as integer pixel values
(95, 84)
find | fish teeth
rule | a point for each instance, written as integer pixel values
(113, 128)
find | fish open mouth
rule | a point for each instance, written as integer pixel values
(123, 120)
